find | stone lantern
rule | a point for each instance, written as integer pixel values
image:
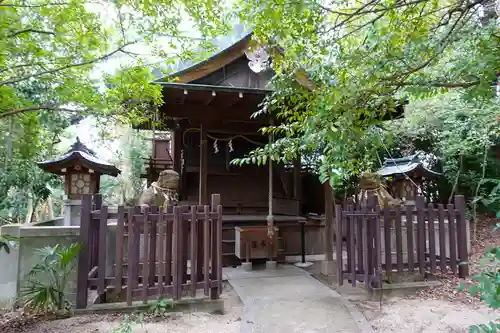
(82, 171)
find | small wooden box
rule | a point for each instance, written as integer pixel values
(255, 239)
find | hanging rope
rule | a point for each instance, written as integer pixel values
(170, 196)
(221, 139)
(153, 125)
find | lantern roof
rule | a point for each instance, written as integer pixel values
(78, 154)
(406, 166)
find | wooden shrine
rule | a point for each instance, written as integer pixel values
(406, 176)
(208, 112)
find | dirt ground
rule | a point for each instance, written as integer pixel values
(442, 309)
(228, 322)
(192, 323)
(425, 315)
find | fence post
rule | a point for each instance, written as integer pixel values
(84, 255)
(101, 268)
(463, 255)
(338, 244)
(215, 248)
(327, 267)
(421, 245)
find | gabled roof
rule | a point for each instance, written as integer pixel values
(78, 154)
(211, 80)
(227, 49)
(405, 165)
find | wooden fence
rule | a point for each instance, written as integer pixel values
(155, 254)
(421, 238)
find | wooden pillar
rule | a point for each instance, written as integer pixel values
(271, 264)
(84, 256)
(297, 179)
(176, 154)
(202, 190)
(176, 145)
(327, 268)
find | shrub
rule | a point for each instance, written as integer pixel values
(46, 282)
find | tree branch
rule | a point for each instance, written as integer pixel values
(20, 32)
(55, 70)
(34, 108)
(442, 45)
(33, 6)
(363, 10)
(436, 84)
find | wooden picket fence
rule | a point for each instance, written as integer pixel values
(417, 239)
(155, 254)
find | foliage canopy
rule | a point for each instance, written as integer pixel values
(362, 56)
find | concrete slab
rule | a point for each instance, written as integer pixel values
(260, 271)
(288, 300)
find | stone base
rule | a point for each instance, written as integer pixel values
(270, 264)
(327, 268)
(303, 264)
(189, 305)
(247, 266)
(398, 290)
(72, 209)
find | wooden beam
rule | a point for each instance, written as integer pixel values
(202, 194)
(205, 113)
(216, 127)
(329, 221)
(172, 87)
(176, 145)
(297, 179)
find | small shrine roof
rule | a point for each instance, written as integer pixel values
(405, 165)
(79, 154)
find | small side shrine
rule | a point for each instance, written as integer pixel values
(407, 176)
(82, 171)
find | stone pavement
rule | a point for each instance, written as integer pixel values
(288, 300)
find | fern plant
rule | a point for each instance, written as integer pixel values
(45, 284)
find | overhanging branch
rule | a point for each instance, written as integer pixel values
(35, 108)
(32, 6)
(436, 84)
(79, 64)
(30, 30)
